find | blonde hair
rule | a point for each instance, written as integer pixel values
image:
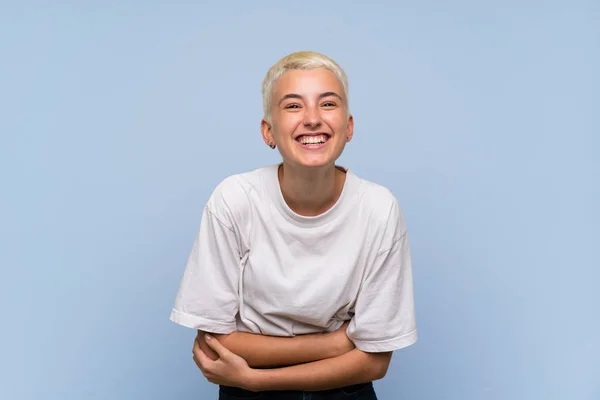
(301, 60)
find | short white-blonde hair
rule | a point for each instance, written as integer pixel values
(301, 60)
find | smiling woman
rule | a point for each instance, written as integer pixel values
(299, 282)
(310, 113)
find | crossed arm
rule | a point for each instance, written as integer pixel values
(308, 362)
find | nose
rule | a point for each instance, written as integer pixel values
(312, 118)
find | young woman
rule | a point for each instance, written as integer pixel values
(299, 281)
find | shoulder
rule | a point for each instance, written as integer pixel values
(377, 196)
(380, 200)
(383, 208)
(231, 197)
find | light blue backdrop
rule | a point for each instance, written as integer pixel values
(119, 118)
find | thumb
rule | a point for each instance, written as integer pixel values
(214, 344)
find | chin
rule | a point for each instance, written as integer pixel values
(312, 161)
(315, 163)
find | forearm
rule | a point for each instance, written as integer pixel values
(261, 351)
(348, 369)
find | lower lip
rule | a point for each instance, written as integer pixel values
(312, 146)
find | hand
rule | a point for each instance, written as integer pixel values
(229, 369)
(342, 344)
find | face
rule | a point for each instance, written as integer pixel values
(309, 122)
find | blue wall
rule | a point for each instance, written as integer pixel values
(117, 119)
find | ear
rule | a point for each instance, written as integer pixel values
(267, 132)
(350, 128)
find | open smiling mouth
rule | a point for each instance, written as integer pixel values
(313, 141)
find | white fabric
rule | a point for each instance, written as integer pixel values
(257, 266)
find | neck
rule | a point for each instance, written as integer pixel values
(311, 192)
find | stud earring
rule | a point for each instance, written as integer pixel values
(272, 145)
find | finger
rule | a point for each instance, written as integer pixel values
(201, 359)
(207, 364)
(205, 347)
(205, 371)
(216, 346)
(196, 348)
(197, 362)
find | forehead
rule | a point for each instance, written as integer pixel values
(308, 82)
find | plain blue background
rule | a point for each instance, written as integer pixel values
(119, 118)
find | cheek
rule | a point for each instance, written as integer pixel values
(338, 123)
(285, 126)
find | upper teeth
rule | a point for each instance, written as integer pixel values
(313, 139)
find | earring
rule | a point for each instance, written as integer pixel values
(272, 145)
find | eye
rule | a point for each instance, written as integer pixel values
(292, 106)
(329, 104)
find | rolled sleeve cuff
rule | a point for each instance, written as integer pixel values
(203, 324)
(380, 346)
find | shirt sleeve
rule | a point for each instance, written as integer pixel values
(384, 313)
(208, 294)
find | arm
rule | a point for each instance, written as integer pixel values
(261, 351)
(351, 368)
(230, 369)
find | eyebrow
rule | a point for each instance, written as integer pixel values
(297, 96)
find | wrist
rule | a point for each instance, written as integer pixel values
(253, 380)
